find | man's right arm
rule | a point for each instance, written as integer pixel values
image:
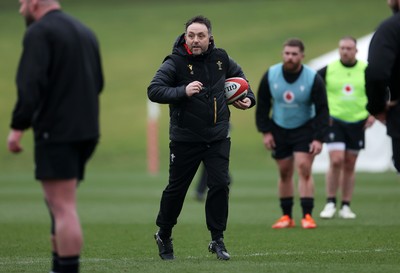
(263, 106)
(162, 88)
(31, 78)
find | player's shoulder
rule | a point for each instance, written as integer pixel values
(389, 24)
(35, 31)
(44, 24)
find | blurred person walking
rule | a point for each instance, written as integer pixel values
(191, 80)
(59, 79)
(382, 77)
(201, 188)
(345, 86)
(294, 131)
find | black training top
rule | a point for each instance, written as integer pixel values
(382, 75)
(59, 79)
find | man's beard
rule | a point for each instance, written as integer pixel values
(291, 67)
(29, 20)
(395, 8)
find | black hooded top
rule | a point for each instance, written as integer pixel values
(203, 117)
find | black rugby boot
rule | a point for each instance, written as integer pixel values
(165, 247)
(218, 247)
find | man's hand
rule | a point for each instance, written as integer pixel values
(382, 116)
(14, 141)
(315, 147)
(369, 122)
(268, 140)
(193, 88)
(242, 104)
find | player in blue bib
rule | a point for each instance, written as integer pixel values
(292, 115)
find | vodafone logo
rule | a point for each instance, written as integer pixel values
(348, 89)
(288, 96)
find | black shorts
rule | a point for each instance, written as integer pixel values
(351, 134)
(288, 141)
(55, 161)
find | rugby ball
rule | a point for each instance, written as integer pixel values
(235, 89)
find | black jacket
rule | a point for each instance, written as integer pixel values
(382, 75)
(204, 117)
(59, 79)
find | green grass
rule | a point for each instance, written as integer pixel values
(118, 212)
(118, 202)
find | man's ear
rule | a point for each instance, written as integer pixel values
(34, 5)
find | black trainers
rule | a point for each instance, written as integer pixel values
(165, 248)
(218, 247)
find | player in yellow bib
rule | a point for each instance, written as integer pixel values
(345, 85)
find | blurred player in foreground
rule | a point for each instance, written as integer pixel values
(59, 80)
(382, 77)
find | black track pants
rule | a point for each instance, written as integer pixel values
(185, 159)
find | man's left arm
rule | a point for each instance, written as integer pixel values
(236, 71)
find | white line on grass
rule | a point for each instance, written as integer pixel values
(29, 261)
(337, 251)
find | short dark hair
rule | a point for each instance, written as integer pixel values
(201, 20)
(295, 42)
(348, 37)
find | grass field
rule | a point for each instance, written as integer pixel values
(118, 201)
(118, 212)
